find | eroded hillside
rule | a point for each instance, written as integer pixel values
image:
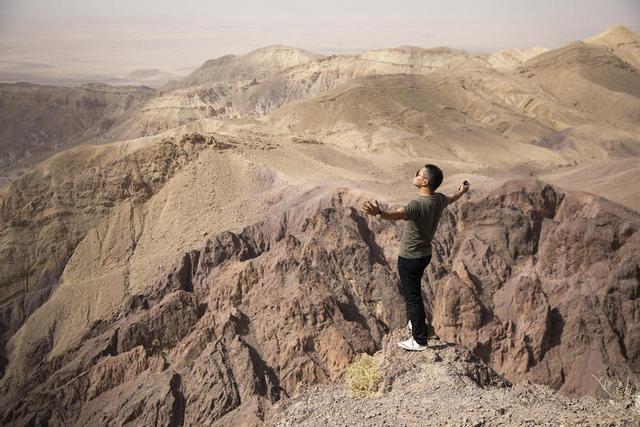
(245, 318)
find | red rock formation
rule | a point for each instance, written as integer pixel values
(540, 284)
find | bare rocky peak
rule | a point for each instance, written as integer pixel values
(282, 56)
(263, 80)
(257, 64)
(575, 54)
(624, 42)
(260, 92)
(614, 36)
(268, 62)
(501, 114)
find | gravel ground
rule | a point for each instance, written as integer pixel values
(445, 385)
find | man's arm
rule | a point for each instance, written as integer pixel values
(455, 196)
(464, 187)
(374, 209)
(394, 216)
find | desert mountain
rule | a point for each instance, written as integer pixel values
(423, 60)
(220, 315)
(259, 82)
(591, 79)
(509, 60)
(484, 118)
(209, 92)
(258, 64)
(214, 260)
(623, 42)
(38, 119)
(610, 178)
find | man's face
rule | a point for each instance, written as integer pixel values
(419, 180)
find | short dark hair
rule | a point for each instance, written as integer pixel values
(435, 176)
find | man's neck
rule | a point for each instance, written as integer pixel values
(424, 191)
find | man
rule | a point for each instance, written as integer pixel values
(421, 217)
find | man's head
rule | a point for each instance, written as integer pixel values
(428, 176)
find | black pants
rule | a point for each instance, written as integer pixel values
(411, 271)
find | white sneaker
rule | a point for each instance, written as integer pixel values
(409, 325)
(412, 345)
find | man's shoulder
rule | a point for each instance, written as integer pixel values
(430, 199)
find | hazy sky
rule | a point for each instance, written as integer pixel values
(116, 36)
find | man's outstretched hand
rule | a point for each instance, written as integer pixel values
(371, 208)
(464, 187)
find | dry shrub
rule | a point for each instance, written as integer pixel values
(363, 375)
(624, 391)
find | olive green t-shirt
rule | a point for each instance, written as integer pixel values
(423, 215)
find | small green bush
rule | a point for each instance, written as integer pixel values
(363, 375)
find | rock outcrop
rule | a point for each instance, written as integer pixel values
(444, 385)
(235, 326)
(541, 284)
